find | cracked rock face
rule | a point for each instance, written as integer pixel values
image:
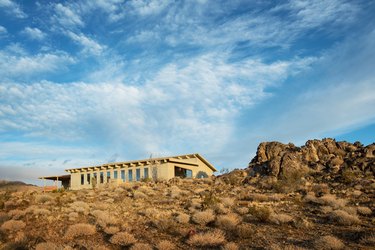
(321, 156)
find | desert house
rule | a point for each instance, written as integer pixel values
(165, 168)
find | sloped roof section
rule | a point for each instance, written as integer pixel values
(150, 160)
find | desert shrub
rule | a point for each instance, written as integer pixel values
(242, 210)
(364, 210)
(348, 176)
(41, 211)
(165, 224)
(228, 221)
(368, 239)
(73, 216)
(183, 218)
(227, 201)
(80, 229)
(244, 231)
(320, 189)
(111, 230)
(138, 195)
(289, 181)
(207, 239)
(47, 246)
(230, 246)
(209, 199)
(281, 218)
(326, 209)
(203, 217)
(10, 204)
(165, 245)
(328, 242)
(343, 218)
(80, 207)
(43, 198)
(261, 213)
(3, 217)
(332, 201)
(123, 239)
(141, 246)
(257, 197)
(16, 213)
(104, 219)
(13, 225)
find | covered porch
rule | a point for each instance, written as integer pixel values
(59, 181)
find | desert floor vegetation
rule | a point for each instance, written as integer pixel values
(191, 214)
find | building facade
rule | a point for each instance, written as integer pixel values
(184, 166)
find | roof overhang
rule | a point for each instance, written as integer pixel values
(56, 177)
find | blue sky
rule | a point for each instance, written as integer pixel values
(90, 82)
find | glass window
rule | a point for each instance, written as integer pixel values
(189, 173)
(123, 175)
(101, 177)
(82, 179)
(145, 175)
(115, 174)
(130, 175)
(88, 178)
(138, 174)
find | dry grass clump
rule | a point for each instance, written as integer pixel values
(344, 218)
(332, 201)
(208, 239)
(47, 246)
(80, 229)
(16, 214)
(257, 197)
(80, 207)
(228, 221)
(364, 210)
(230, 246)
(104, 219)
(228, 202)
(41, 211)
(220, 208)
(141, 246)
(43, 198)
(328, 242)
(320, 189)
(13, 225)
(242, 210)
(244, 231)
(203, 217)
(281, 218)
(138, 195)
(111, 230)
(123, 239)
(262, 214)
(165, 245)
(183, 218)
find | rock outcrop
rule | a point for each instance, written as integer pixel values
(318, 156)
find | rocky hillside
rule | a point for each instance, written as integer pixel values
(325, 157)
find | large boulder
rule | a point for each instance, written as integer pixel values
(326, 156)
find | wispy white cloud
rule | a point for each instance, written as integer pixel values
(15, 62)
(67, 17)
(34, 33)
(3, 30)
(90, 46)
(311, 14)
(149, 7)
(12, 8)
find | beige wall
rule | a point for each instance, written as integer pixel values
(165, 171)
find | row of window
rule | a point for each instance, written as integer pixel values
(115, 176)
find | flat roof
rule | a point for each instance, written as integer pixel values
(196, 155)
(56, 177)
